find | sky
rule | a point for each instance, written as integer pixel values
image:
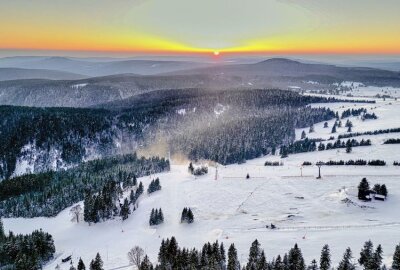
(201, 26)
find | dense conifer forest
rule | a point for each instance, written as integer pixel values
(46, 194)
(196, 122)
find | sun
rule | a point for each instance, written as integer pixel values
(216, 53)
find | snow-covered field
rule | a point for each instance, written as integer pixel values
(359, 89)
(231, 208)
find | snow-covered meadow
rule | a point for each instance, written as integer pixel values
(230, 208)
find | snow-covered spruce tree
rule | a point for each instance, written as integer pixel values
(348, 148)
(125, 209)
(233, 262)
(363, 189)
(326, 125)
(334, 128)
(278, 263)
(313, 265)
(347, 262)
(325, 259)
(97, 263)
(262, 262)
(303, 135)
(366, 254)
(312, 129)
(81, 265)
(396, 258)
(190, 216)
(154, 186)
(254, 255)
(146, 264)
(223, 255)
(184, 215)
(375, 262)
(140, 190)
(2, 233)
(296, 260)
(156, 217)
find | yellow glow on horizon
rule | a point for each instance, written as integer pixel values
(158, 27)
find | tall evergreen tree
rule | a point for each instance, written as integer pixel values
(313, 265)
(363, 189)
(396, 258)
(125, 210)
(262, 262)
(233, 262)
(222, 252)
(325, 260)
(366, 254)
(254, 255)
(296, 260)
(2, 233)
(334, 128)
(190, 216)
(146, 264)
(81, 265)
(97, 263)
(346, 263)
(376, 259)
(278, 263)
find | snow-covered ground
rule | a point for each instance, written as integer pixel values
(306, 211)
(359, 89)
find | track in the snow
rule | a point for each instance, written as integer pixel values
(320, 228)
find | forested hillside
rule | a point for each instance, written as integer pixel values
(46, 194)
(191, 121)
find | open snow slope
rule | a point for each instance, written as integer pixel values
(306, 211)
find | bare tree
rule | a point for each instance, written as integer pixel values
(76, 212)
(135, 256)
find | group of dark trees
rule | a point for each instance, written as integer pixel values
(46, 194)
(106, 204)
(95, 264)
(23, 252)
(187, 215)
(156, 217)
(272, 163)
(353, 112)
(198, 170)
(154, 186)
(364, 190)
(375, 132)
(376, 162)
(358, 162)
(392, 141)
(213, 256)
(310, 145)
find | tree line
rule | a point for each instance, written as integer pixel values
(214, 256)
(49, 193)
(22, 252)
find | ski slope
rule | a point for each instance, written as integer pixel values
(233, 209)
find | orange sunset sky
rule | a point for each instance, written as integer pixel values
(207, 26)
